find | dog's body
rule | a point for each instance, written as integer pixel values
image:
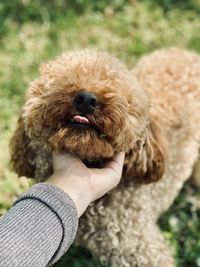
(161, 128)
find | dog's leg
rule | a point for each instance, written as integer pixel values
(136, 248)
(144, 248)
(148, 248)
(124, 239)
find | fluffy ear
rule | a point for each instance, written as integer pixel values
(22, 155)
(146, 161)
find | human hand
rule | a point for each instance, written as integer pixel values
(83, 184)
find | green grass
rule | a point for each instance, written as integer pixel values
(32, 31)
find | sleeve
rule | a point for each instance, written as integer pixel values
(38, 229)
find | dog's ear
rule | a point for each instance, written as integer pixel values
(148, 156)
(155, 147)
(22, 154)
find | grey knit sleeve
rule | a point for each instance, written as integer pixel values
(38, 229)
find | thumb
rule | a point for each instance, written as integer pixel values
(63, 160)
(108, 177)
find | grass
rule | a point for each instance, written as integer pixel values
(33, 31)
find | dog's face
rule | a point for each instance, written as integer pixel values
(86, 102)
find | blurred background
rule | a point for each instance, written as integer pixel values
(33, 31)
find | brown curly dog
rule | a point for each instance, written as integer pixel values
(88, 102)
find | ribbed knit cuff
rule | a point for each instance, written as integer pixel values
(63, 207)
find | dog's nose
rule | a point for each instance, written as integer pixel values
(85, 102)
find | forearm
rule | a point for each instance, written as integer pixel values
(38, 229)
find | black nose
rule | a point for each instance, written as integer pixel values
(85, 102)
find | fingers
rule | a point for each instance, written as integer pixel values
(64, 156)
(116, 164)
(105, 179)
(63, 160)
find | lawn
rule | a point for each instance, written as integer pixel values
(33, 31)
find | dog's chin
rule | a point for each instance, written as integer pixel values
(86, 141)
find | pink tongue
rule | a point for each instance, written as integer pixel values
(80, 119)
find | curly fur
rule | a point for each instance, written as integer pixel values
(151, 113)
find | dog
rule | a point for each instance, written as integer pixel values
(89, 103)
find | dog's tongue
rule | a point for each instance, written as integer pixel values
(80, 119)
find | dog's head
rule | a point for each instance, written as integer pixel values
(88, 102)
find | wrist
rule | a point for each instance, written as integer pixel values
(76, 188)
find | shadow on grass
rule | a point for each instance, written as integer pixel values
(183, 5)
(78, 257)
(181, 226)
